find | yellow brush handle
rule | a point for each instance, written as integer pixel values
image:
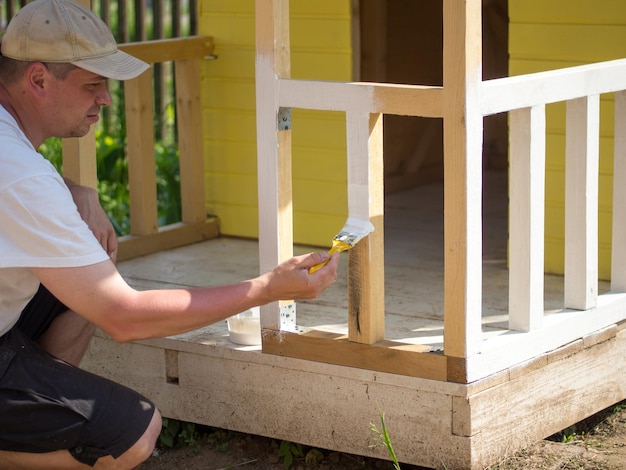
(338, 247)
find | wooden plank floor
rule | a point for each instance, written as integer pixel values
(413, 270)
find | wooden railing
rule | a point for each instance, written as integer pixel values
(79, 162)
(584, 309)
(462, 102)
(525, 97)
(160, 16)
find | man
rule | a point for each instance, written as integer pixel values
(57, 275)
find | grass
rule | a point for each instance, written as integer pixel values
(383, 439)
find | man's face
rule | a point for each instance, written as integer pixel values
(74, 102)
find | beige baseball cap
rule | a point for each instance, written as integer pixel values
(67, 32)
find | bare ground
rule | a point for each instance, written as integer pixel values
(597, 443)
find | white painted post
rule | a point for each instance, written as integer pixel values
(581, 202)
(526, 217)
(618, 244)
(274, 151)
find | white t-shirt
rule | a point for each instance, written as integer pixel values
(39, 223)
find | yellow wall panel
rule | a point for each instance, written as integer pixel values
(304, 28)
(231, 63)
(576, 43)
(321, 50)
(234, 30)
(236, 93)
(518, 66)
(321, 164)
(246, 218)
(320, 197)
(325, 129)
(546, 35)
(568, 12)
(318, 229)
(226, 157)
(237, 188)
(326, 65)
(211, 8)
(229, 124)
(320, 8)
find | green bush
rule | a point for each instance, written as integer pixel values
(112, 170)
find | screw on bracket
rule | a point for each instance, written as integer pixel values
(288, 317)
(283, 119)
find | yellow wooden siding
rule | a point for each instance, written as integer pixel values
(545, 35)
(321, 50)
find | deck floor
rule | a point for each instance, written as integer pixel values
(413, 270)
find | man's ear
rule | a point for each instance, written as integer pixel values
(37, 74)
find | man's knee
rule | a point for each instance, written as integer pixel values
(144, 446)
(154, 430)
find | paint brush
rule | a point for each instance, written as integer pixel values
(352, 232)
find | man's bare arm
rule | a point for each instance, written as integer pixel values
(89, 208)
(100, 294)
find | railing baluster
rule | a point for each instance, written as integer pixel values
(79, 159)
(189, 121)
(526, 217)
(581, 202)
(141, 163)
(618, 244)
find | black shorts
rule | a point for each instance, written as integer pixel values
(47, 404)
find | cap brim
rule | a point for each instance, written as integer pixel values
(118, 65)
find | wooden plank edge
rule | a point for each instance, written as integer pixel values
(523, 91)
(168, 237)
(406, 100)
(410, 359)
(332, 348)
(165, 50)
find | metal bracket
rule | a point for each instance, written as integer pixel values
(283, 119)
(288, 317)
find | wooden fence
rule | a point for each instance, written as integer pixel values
(79, 155)
(134, 21)
(160, 33)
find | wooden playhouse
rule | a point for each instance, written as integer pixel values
(444, 317)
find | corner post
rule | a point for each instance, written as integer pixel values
(273, 151)
(462, 77)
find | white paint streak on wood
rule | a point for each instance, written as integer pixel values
(357, 128)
